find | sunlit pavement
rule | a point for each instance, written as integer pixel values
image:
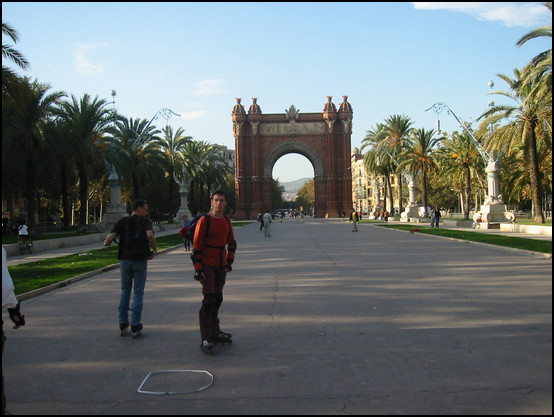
(324, 321)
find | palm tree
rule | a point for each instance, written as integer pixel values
(525, 119)
(171, 145)
(389, 141)
(87, 122)
(397, 129)
(61, 159)
(458, 160)
(137, 155)
(374, 158)
(538, 72)
(379, 164)
(418, 157)
(9, 77)
(24, 113)
(204, 169)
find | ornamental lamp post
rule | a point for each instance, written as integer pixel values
(115, 209)
(493, 211)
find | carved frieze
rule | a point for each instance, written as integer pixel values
(293, 128)
(236, 128)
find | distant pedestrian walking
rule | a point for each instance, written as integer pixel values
(133, 262)
(261, 220)
(435, 217)
(267, 223)
(185, 232)
(354, 218)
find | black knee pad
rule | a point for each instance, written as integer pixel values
(209, 301)
(218, 299)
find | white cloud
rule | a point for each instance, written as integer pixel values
(83, 64)
(522, 14)
(209, 87)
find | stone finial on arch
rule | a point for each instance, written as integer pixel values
(293, 146)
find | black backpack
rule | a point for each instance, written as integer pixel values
(194, 222)
(134, 243)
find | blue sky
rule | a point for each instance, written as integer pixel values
(196, 58)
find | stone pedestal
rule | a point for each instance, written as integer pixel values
(494, 213)
(184, 204)
(116, 210)
(411, 214)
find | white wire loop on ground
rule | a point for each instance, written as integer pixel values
(176, 392)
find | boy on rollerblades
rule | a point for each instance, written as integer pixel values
(213, 252)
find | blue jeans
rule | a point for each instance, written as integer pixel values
(133, 277)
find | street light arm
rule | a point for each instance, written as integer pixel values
(439, 107)
(165, 113)
(409, 176)
(185, 176)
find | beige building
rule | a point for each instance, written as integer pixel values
(368, 190)
(229, 156)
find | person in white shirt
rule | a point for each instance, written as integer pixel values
(10, 302)
(267, 223)
(23, 231)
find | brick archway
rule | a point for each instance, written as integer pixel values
(323, 138)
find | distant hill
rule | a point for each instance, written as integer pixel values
(294, 186)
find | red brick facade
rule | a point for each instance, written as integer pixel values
(323, 138)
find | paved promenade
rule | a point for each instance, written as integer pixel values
(324, 321)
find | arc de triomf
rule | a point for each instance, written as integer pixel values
(323, 138)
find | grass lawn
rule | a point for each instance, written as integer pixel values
(535, 245)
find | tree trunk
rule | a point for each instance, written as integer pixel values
(467, 193)
(136, 187)
(391, 198)
(424, 191)
(399, 194)
(30, 190)
(534, 172)
(66, 205)
(83, 196)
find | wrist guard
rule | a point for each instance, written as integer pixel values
(16, 316)
(198, 275)
(228, 266)
(195, 256)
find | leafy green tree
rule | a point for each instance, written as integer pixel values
(277, 191)
(306, 195)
